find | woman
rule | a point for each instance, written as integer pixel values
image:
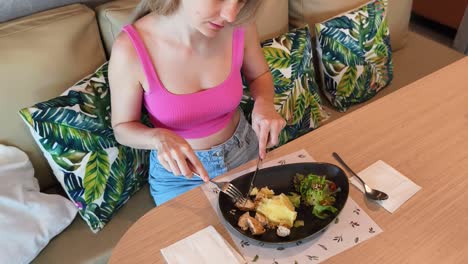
(183, 59)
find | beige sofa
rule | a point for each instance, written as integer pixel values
(44, 53)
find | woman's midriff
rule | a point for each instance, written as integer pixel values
(217, 138)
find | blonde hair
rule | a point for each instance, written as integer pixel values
(167, 7)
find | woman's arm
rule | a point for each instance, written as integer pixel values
(126, 98)
(266, 121)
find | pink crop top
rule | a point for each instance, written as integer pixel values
(197, 114)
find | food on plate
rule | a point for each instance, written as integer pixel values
(247, 222)
(264, 192)
(318, 192)
(255, 227)
(246, 206)
(295, 199)
(261, 218)
(254, 191)
(242, 222)
(298, 223)
(271, 211)
(279, 211)
(283, 231)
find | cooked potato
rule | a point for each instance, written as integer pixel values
(264, 193)
(254, 191)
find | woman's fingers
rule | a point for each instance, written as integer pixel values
(192, 165)
(263, 138)
(185, 164)
(184, 168)
(197, 167)
(174, 167)
(256, 126)
(164, 163)
(175, 155)
(268, 134)
(275, 130)
(170, 160)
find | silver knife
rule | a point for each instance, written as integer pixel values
(252, 180)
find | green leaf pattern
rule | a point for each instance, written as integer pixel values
(95, 177)
(75, 133)
(289, 57)
(355, 55)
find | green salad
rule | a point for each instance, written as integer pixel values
(315, 191)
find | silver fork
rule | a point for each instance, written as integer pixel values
(229, 189)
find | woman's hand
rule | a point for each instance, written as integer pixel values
(267, 124)
(176, 155)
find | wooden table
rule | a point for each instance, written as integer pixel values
(421, 130)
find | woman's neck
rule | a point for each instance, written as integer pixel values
(180, 31)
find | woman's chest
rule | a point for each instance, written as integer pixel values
(182, 72)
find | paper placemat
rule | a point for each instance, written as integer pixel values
(350, 228)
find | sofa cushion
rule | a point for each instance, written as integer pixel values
(272, 19)
(41, 56)
(113, 15)
(355, 57)
(75, 134)
(12, 9)
(297, 99)
(315, 11)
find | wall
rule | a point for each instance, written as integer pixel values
(448, 12)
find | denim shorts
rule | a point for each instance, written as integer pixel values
(240, 148)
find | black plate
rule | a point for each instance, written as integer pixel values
(280, 180)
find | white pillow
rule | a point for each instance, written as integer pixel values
(28, 218)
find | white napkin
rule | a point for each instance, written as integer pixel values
(205, 246)
(383, 177)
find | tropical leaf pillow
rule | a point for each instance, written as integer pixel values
(289, 57)
(75, 134)
(355, 54)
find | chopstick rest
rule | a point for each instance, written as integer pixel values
(383, 177)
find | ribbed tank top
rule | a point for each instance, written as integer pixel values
(194, 115)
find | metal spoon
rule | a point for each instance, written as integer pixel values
(370, 193)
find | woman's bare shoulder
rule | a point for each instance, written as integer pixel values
(250, 29)
(122, 48)
(123, 44)
(123, 63)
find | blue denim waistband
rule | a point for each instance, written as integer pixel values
(238, 138)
